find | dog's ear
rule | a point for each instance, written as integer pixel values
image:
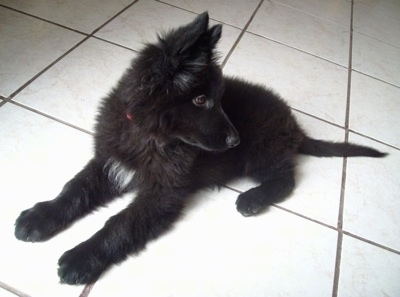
(192, 39)
(213, 35)
(195, 37)
(188, 35)
(178, 60)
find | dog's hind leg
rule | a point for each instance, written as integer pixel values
(89, 189)
(147, 217)
(277, 182)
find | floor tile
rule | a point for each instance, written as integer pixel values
(128, 30)
(233, 12)
(367, 270)
(72, 89)
(376, 58)
(371, 109)
(37, 156)
(388, 7)
(377, 25)
(85, 16)
(338, 11)
(308, 83)
(302, 31)
(214, 251)
(372, 196)
(28, 46)
(318, 180)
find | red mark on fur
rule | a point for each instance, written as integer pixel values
(129, 116)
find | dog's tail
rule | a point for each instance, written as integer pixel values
(322, 148)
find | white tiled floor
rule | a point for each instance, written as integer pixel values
(339, 233)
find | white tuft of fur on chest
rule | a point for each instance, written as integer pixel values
(118, 174)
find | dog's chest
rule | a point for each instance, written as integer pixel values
(118, 174)
(151, 164)
(166, 167)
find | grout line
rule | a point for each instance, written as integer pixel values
(305, 217)
(3, 102)
(287, 210)
(112, 18)
(241, 34)
(374, 139)
(338, 261)
(341, 127)
(376, 78)
(342, 195)
(12, 290)
(87, 289)
(175, 6)
(374, 9)
(115, 44)
(377, 39)
(197, 13)
(51, 117)
(180, 8)
(317, 118)
(378, 245)
(298, 49)
(44, 20)
(230, 188)
(310, 14)
(339, 245)
(335, 289)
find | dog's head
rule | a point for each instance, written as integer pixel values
(176, 88)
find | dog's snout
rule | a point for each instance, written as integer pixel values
(232, 140)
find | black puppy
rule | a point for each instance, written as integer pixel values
(172, 126)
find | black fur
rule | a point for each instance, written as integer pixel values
(179, 125)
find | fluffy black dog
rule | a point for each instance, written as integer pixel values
(172, 126)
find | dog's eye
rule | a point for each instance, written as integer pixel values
(200, 100)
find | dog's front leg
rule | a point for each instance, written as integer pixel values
(89, 189)
(277, 182)
(147, 217)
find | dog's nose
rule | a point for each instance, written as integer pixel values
(232, 140)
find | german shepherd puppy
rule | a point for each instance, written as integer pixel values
(173, 125)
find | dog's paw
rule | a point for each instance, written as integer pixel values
(80, 266)
(36, 224)
(251, 202)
